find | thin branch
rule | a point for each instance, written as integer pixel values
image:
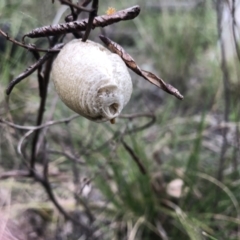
(67, 120)
(234, 25)
(40, 77)
(78, 7)
(27, 134)
(14, 174)
(30, 70)
(92, 15)
(34, 128)
(82, 3)
(100, 21)
(40, 112)
(45, 183)
(87, 209)
(47, 119)
(28, 47)
(67, 155)
(26, 73)
(20, 174)
(74, 15)
(135, 158)
(138, 115)
(130, 62)
(120, 134)
(45, 162)
(20, 143)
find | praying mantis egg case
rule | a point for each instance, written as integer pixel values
(91, 80)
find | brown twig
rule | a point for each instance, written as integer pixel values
(37, 56)
(136, 115)
(120, 134)
(34, 128)
(14, 174)
(20, 174)
(67, 155)
(130, 62)
(82, 3)
(78, 7)
(40, 112)
(100, 21)
(91, 17)
(31, 129)
(45, 161)
(134, 157)
(141, 128)
(234, 25)
(45, 183)
(37, 129)
(30, 70)
(74, 14)
(48, 118)
(28, 47)
(26, 73)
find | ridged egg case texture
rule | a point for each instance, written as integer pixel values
(91, 80)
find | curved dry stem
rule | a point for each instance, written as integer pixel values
(145, 126)
(34, 128)
(134, 157)
(26, 73)
(28, 47)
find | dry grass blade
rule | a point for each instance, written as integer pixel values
(224, 188)
(130, 62)
(161, 231)
(133, 233)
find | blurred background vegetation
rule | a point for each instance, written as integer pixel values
(191, 152)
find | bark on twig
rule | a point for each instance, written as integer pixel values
(92, 15)
(100, 21)
(31, 69)
(130, 62)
